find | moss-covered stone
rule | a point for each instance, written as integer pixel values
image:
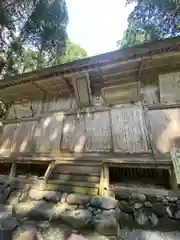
(145, 217)
(69, 189)
(125, 207)
(77, 198)
(158, 209)
(153, 198)
(138, 197)
(123, 195)
(168, 224)
(126, 220)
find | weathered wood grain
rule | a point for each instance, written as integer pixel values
(129, 130)
(106, 180)
(23, 137)
(23, 109)
(20, 110)
(98, 132)
(123, 93)
(165, 128)
(36, 107)
(73, 138)
(170, 87)
(75, 177)
(18, 92)
(12, 171)
(78, 169)
(6, 139)
(82, 89)
(11, 113)
(48, 133)
(150, 94)
(57, 103)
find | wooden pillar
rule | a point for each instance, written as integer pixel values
(12, 171)
(104, 182)
(173, 180)
(101, 185)
(175, 171)
(49, 171)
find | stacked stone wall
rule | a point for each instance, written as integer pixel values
(62, 215)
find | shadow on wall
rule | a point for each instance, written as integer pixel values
(46, 135)
(165, 128)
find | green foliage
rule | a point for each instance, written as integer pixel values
(151, 20)
(31, 24)
(33, 35)
(30, 59)
(73, 52)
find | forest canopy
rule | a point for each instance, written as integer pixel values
(151, 20)
(33, 34)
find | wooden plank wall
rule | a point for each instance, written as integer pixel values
(151, 94)
(48, 133)
(87, 132)
(170, 88)
(124, 128)
(150, 91)
(98, 133)
(129, 130)
(58, 103)
(23, 137)
(25, 109)
(6, 140)
(165, 128)
(73, 136)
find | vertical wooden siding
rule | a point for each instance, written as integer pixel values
(87, 132)
(57, 103)
(37, 107)
(151, 94)
(98, 132)
(7, 139)
(48, 133)
(11, 113)
(165, 128)
(169, 85)
(25, 109)
(129, 130)
(73, 138)
(23, 137)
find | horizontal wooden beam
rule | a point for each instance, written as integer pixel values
(150, 165)
(86, 184)
(67, 112)
(162, 106)
(138, 70)
(90, 158)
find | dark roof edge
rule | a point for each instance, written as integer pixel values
(125, 54)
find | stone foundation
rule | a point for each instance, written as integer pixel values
(29, 211)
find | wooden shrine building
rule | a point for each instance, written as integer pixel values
(96, 124)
